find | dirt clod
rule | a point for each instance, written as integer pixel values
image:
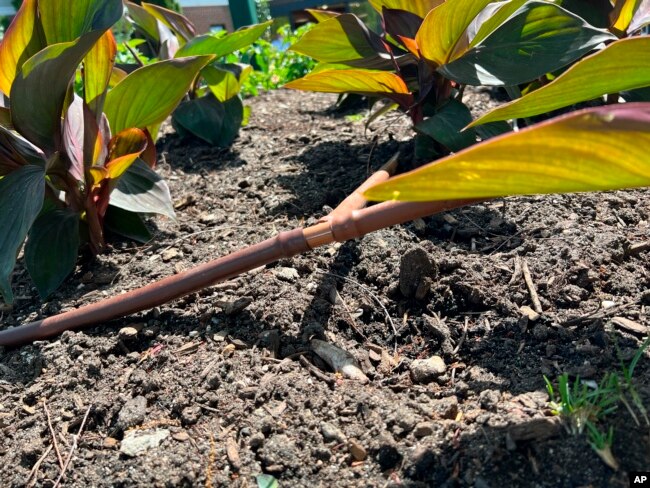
(426, 370)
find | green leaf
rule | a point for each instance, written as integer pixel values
(127, 224)
(143, 20)
(51, 249)
(623, 65)
(344, 39)
(209, 119)
(141, 190)
(596, 12)
(446, 125)
(98, 69)
(418, 7)
(266, 481)
(537, 39)
(175, 21)
(490, 18)
(604, 148)
(220, 46)
(21, 41)
(21, 199)
(65, 21)
(16, 152)
(361, 81)
(225, 81)
(149, 94)
(443, 28)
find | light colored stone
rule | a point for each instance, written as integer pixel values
(426, 370)
(137, 442)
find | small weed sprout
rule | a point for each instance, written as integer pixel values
(585, 404)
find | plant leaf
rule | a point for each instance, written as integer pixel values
(51, 249)
(604, 148)
(127, 224)
(225, 81)
(539, 38)
(73, 137)
(21, 200)
(623, 65)
(596, 12)
(149, 94)
(21, 41)
(444, 26)
(220, 46)
(98, 70)
(123, 149)
(401, 24)
(343, 39)
(322, 15)
(641, 17)
(446, 124)
(209, 119)
(417, 7)
(16, 152)
(490, 18)
(143, 20)
(361, 81)
(175, 21)
(65, 21)
(623, 14)
(141, 190)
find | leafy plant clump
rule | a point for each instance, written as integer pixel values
(72, 165)
(212, 109)
(274, 64)
(429, 50)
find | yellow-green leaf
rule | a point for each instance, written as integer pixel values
(623, 65)
(418, 7)
(65, 20)
(322, 15)
(444, 27)
(623, 14)
(604, 148)
(98, 70)
(175, 21)
(220, 46)
(21, 41)
(365, 82)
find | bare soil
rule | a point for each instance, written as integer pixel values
(215, 383)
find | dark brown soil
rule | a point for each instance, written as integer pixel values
(218, 377)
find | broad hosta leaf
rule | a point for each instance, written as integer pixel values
(364, 82)
(322, 15)
(418, 7)
(220, 46)
(21, 41)
(537, 39)
(623, 65)
(65, 21)
(175, 21)
(51, 249)
(443, 28)
(446, 124)
(342, 39)
(141, 190)
(209, 119)
(21, 200)
(127, 224)
(39, 91)
(604, 148)
(98, 69)
(149, 94)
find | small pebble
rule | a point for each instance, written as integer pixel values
(332, 433)
(357, 451)
(423, 429)
(426, 370)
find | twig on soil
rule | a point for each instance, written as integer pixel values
(33, 473)
(53, 434)
(314, 370)
(517, 272)
(371, 294)
(599, 313)
(75, 440)
(537, 306)
(462, 337)
(352, 322)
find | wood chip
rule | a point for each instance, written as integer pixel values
(232, 451)
(187, 348)
(528, 312)
(630, 325)
(638, 248)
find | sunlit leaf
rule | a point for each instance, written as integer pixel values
(444, 26)
(322, 15)
(141, 190)
(65, 20)
(51, 249)
(225, 81)
(21, 41)
(143, 20)
(604, 148)
(98, 70)
(490, 18)
(364, 82)
(641, 17)
(418, 7)
(123, 149)
(220, 46)
(623, 65)
(149, 94)
(539, 38)
(623, 14)
(343, 39)
(21, 200)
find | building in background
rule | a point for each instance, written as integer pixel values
(208, 15)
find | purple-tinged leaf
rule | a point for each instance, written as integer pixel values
(400, 23)
(73, 137)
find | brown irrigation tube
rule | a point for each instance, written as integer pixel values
(348, 221)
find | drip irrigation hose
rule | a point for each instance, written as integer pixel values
(346, 222)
